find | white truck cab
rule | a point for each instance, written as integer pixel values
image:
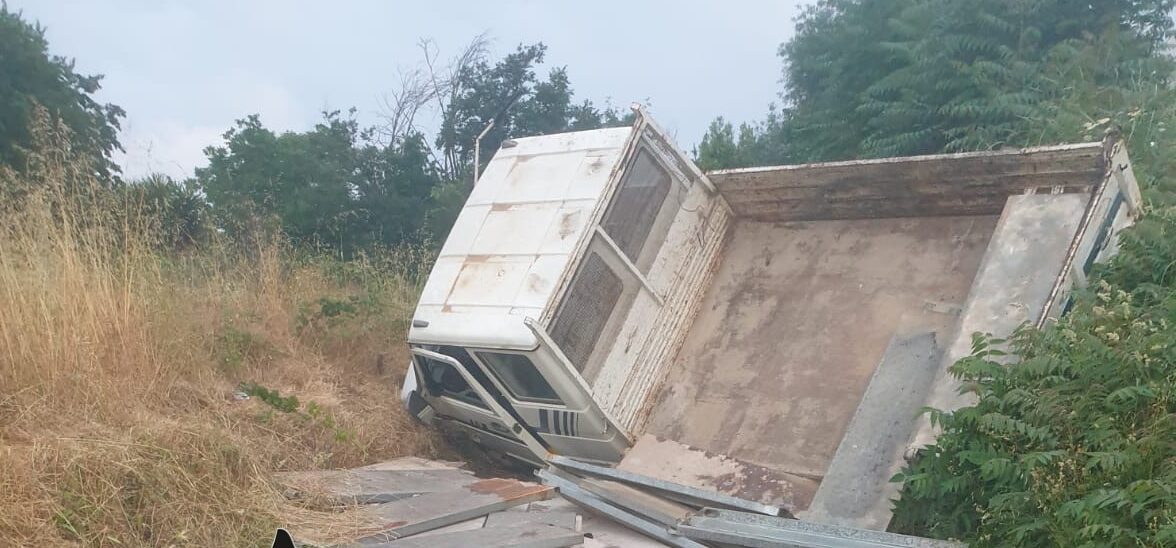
(598, 290)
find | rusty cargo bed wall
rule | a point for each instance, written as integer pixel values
(830, 269)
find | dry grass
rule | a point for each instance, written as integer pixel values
(118, 366)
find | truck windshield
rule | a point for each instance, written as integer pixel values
(443, 379)
(520, 377)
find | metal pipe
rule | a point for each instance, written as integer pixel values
(478, 149)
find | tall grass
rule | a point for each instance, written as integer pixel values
(122, 418)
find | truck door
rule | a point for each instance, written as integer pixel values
(553, 401)
(463, 396)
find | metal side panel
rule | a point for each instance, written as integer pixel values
(1026, 253)
(653, 331)
(856, 490)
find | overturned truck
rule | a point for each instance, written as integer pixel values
(769, 333)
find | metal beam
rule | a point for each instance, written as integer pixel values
(569, 490)
(676, 491)
(758, 531)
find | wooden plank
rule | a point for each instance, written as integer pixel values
(951, 184)
(605, 533)
(370, 486)
(429, 511)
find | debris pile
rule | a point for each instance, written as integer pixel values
(414, 502)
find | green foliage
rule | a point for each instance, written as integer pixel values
(509, 93)
(1073, 446)
(31, 76)
(871, 79)
(273, 398)
(332, 186)
(326, 311)
(339, 186)
(754, 144)
(314, 415)
(175, 213)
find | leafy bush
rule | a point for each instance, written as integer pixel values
(1073, 446)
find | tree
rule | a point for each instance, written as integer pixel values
(173, 214)
(520, 105)
(870, 79)
(30, 76)
(469, 93)
(331, 186)
(350, 188)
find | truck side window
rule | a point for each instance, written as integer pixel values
(520, 377)
(589, 304)
(636, 205)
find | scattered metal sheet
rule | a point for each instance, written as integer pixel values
(599, 531)
(371, 486)
(568, 519)
(661, 510)
(681, 493)
(530, 535)
(758, 531)
(573, 492)
(429, 511)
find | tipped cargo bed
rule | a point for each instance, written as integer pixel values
(794, 323)
(832, 316)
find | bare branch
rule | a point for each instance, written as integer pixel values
(429, 83)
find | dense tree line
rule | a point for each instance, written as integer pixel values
(869, 79)
(337, 185)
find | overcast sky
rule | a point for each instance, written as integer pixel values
(184, 71)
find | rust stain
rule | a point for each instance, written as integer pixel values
(501, 207)
(507, 489)
(476, 258)
(567, 223)
(536, 283)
